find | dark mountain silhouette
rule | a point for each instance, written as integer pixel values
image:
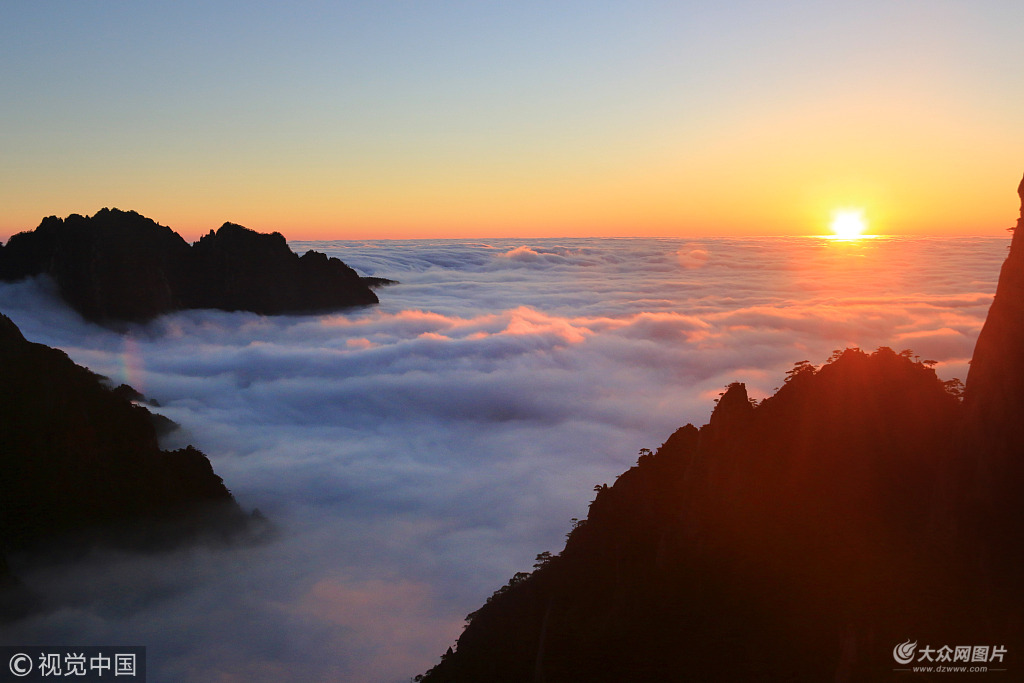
(860, 507)
(118, 265)
(994, 403)
(80, 465)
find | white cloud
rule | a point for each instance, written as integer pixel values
(418, 453)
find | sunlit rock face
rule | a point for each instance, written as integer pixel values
(991, 476)
(747, 549)
(995, 385)
(119, 265)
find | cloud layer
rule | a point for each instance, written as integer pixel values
(416, 454)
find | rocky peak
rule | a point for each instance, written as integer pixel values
(232, 235)
(994, 395)
(733, 409)
(9, 332)
(120, 265)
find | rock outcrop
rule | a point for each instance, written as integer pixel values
(799, 539)
(80, 462)
(119, 265)
(994, 394)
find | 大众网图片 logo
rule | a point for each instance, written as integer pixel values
(908, 652)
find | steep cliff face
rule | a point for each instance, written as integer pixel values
(118, 265)
(994, 395)
(78, 459)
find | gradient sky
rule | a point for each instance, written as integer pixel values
(485, 119)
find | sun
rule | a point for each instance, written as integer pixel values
(848, 224)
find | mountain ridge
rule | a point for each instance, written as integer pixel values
(121, 266)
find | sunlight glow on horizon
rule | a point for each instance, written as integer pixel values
(848, 224)
(379, 121)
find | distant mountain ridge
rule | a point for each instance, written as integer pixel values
(121, 266)
(800, 539)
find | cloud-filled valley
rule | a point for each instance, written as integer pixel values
(414, 455)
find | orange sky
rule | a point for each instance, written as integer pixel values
(542, 120)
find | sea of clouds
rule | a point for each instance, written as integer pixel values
(416, 454)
